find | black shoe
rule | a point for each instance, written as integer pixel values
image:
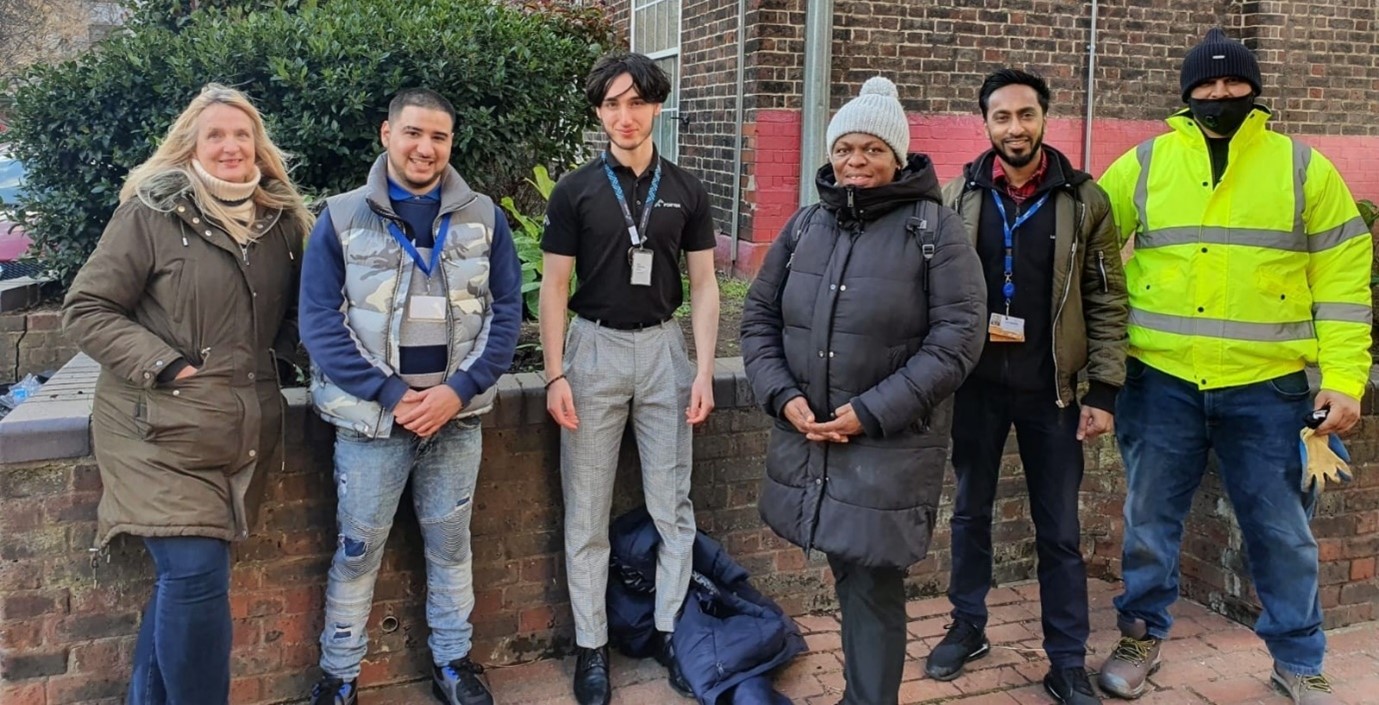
(333, 691)
(965, 642)
(458, 683)
(666, 657)
(1070, 685)
(591, 676)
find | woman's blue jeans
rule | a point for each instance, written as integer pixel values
(182, 656)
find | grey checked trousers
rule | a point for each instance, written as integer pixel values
(613, 374)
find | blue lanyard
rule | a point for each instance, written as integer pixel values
(411, 249)
(1008, 289)
(638, 234)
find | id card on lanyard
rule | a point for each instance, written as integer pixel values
(424, 308)
(637, 255)
(1005, 328)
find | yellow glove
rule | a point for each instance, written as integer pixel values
(1323, 458)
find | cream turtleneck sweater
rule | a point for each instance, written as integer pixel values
(235, 198)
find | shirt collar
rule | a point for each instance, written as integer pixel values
(998, 177)
(401, 195)
(617, 165)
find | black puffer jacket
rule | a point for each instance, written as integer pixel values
(853, 323)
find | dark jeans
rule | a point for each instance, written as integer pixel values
(1165, 426)
(872, 601)
(182, 656)
(983, 413)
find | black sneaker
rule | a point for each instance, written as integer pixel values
(334, 691)
(1070, 685)
(591, 676)
(666, 657)
(458, 683)
(965, 642)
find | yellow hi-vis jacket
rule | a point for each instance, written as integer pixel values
(1250, 280)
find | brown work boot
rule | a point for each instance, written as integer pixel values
(1135, 658)
(1304, 690)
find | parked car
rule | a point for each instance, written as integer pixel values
(13, 241)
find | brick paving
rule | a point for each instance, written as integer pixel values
(1209, 660)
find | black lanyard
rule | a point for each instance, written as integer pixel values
(638, 234)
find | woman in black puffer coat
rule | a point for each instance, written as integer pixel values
(865, 317)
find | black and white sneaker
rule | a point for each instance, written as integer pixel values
(458, 683)
(964, 642)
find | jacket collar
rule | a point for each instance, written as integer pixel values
(454, 192)
(1059, 173)
(1256, 124)
(917, 181)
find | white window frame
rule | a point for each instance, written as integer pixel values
(666, 132)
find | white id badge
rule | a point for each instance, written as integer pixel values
(1006, 329)
(641, 267)
(426, 308)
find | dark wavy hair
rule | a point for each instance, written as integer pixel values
(652, 84)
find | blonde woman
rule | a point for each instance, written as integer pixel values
(185, 303)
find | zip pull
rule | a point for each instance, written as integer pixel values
(1101, 267)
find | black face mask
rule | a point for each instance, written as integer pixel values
(1222, 116)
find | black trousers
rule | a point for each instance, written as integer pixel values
(983, 413)
(874, 636)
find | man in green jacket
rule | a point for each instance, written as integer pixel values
(1056, 304)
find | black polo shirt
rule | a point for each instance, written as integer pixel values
(584, 221)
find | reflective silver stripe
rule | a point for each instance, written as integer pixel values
(1345, 313)
(1218, 328)
(1143, 154)
(1327, 239)
(1302, 157)
(1213, 235)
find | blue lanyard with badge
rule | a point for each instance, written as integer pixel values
(424, 308)
(1005, 328)
(637, 255)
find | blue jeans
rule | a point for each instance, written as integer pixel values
(1165, 426)
(370, 475)
(182, 656)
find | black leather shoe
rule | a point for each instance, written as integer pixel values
(1070, 685)
(964, 642)
(591, 676)
(666, 657)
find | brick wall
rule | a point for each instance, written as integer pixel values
(32, 343)
(1316, 58)
(708, 99)
(67, 624)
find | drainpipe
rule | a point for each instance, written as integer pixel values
(1091, 93)
(737, 137)
(818, 50)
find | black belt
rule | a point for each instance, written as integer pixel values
(619, 325)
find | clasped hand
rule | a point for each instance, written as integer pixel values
(843, 425)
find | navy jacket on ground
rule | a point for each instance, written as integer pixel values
(729, 636)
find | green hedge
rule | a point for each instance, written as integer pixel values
(322, 76)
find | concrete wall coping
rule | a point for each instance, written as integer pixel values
(56, 423)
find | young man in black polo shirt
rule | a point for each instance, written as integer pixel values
(621, 222)
(1057, 303)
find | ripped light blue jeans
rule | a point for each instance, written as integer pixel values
(370, 475)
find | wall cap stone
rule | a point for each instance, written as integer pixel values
(56, 423)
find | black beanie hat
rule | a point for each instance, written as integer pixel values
(1216, 56)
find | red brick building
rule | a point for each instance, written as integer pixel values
(1321, 79)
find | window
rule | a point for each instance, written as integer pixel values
(656, 33)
